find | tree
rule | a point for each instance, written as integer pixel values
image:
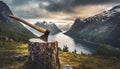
(65, 48)
(59, 49)
(75, 51)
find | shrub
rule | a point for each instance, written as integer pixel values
(104, 51)
(65, 48)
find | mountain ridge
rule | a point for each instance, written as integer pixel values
(102, 28)
(11, 28)
(49, 26)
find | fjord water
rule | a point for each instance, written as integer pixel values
(64, 40)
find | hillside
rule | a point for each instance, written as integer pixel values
(102, 28)
(10, 28)
(15, 57)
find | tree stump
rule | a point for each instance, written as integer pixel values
(43, 54)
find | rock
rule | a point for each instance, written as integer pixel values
(20, 57)
(67, 67)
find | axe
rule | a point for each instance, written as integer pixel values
(45, 31)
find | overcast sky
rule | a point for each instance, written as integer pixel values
(59, 9)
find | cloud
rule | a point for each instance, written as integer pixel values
(84, 2)
(59, 5)
(19, 2)
(58, 9)
(68, 5)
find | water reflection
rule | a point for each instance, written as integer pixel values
(68, 41)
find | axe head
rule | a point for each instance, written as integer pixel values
(44, 37)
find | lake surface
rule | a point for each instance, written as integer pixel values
(71, 44)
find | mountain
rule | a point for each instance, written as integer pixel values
(50, 26)
(4, 12)
(11, 28)
(102, 28)
(76, 27)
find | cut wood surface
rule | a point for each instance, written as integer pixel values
(44, 54)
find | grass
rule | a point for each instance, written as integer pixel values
(78, 61)
(15, 47)
(9, 51)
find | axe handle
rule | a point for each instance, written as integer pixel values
(27, 23)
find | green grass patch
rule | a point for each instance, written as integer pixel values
(78, 61)
(9, 50)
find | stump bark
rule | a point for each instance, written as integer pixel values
(43, 54)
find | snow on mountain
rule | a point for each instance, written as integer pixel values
(101, 28)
